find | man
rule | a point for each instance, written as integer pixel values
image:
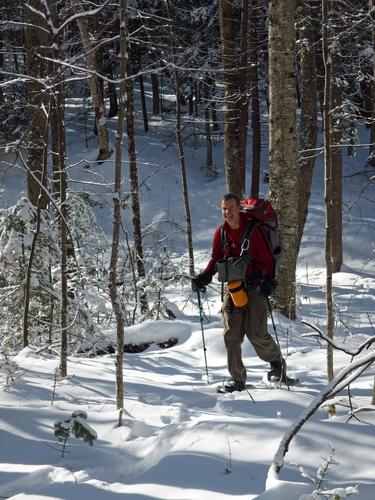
(250, 319)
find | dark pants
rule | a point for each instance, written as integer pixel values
(249, 320)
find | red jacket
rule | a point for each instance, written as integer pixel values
(261, 259)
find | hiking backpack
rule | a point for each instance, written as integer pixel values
(262, 212)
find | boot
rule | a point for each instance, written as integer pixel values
(234, 385)
(278, 371)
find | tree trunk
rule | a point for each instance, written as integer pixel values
(335, 107)
(137, 227)
(207, 99)
(63, 275)
(113, 104)
(244, 83)
(143, 101)
(1, 73)
(57, 118)
(309, 115)
(59, 175)
(254, 83)
(371, 157)
(328, 188)
(115, 299)
(181, 152)
(36, 39)
(27, 290)
(97, 100)
(63, 242)
(155, 94)
(191, 97)
(42, 198)
(234, 171)
(214, 118)
(282, 144)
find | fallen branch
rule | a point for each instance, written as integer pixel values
(339, 382)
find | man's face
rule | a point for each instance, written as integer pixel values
(231, 212)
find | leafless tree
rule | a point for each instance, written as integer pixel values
(37, 38)
(181, 152)
(253, 44)
(137, 226)
(233, 166)
(115, 299)
(309, 114)
(96, 96)
(283, 144)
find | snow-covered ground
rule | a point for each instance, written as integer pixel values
(180, 439)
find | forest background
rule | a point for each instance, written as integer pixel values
(140, 116)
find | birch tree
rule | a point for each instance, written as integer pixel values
(97, 100)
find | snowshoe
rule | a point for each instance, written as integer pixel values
(232, 386)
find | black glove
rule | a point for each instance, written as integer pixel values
(200, 281)
(267, 286)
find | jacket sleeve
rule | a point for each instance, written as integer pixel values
(217, 252)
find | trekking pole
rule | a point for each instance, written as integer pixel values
(273, 322)
(199, 290)
(277, 340)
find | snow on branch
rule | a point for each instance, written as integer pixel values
(339, 382)
(85, 13)
(351, 352)
(23, 25)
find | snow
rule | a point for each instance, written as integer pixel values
(179, 438)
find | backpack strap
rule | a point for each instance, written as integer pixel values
(223, 236)
(247, 235)
(245, 241)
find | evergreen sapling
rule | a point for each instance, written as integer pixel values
(77, 426)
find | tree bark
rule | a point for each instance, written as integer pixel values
(328, 188)
(27, 290)
(36, 39)
(57, 118)
(181, 152)
(155, 94)
(254, 86)
(63, 274)
(335, 107)
(137, 226)
(309, 116)
(113, 104)
(233, 167)
(115, 299)
(143, 101)
(371, 157)
(1, 73)
(282, 144)
(207, 99)
(244, 83)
